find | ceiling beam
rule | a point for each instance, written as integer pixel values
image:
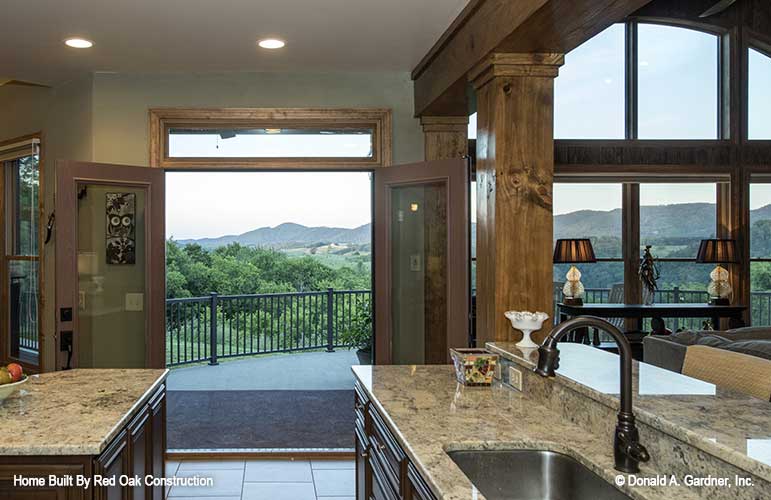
(485, 26)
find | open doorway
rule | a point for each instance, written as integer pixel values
(268, 286)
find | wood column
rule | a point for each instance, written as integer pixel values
(515, 171)
(445, 137)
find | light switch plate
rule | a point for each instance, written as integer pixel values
(135, 302)
(515, 378)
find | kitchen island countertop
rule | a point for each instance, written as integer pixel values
(73, 412)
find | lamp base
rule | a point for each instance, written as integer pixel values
(569, 301)
(718, 301)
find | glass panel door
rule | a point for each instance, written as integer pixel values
(110, 285)
(421, 262)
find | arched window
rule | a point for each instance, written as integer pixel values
(589, 92)
(759, 99)
(672, 85)
(677, 83)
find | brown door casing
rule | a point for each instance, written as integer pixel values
(68, 175)
(447, 278)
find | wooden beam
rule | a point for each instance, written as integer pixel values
(515, 165)
(562, 25)
(477, 31)
(487, 26)
(445, 137)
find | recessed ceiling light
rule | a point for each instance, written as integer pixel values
(79, 43)
(271, 43)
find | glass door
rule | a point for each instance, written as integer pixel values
(110, 284)
(421, 261)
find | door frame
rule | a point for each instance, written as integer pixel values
(68, 175)
(458, 248)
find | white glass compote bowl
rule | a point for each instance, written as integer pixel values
(526, 322)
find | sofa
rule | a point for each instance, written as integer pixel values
(688, 352)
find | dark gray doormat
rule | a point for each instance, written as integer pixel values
(259, 419)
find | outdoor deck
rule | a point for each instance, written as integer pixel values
(293, 400)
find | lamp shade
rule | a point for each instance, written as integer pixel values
(717, 251)
(572, 251)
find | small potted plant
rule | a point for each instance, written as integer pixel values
(359, 333)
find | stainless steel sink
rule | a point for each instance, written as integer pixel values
(532, 475)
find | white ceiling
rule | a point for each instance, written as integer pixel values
(216, 35)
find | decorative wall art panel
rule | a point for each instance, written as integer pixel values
(121, 229)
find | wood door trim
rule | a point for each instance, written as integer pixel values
(68, 175)
(457, 245)
(379, 119)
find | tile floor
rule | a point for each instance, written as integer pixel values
(266, 479)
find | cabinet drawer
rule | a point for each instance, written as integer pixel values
(384, 444)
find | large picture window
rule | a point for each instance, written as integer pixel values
(759, 101)
(20, 273)
(677, 82)
(589, 92)
(760, 253)
(641, 81)
(591, 211)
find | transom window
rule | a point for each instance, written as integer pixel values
(270, 138)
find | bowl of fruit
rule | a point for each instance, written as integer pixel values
(11, 378)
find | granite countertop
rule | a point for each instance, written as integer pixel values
(74, 412)
(430, 414)
(722, 422)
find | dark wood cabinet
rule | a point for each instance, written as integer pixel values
(137, 450)
(383, 470)
(113, 463)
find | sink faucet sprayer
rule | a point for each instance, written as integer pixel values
(627, 450)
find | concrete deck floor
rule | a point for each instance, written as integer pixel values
(305, 371)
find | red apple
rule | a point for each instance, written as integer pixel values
(16, 371)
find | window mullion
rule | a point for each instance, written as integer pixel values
(630, 66)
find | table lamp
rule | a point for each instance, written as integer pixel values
(718, 251)
(573, 251)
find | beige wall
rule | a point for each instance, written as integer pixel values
(104, 118)
(64, 116)
(121, 103)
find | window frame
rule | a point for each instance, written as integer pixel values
(377, 119)
(5, 347)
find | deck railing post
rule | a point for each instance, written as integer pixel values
(330, 320)
(213, 329)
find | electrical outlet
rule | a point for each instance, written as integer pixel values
(135, 302)
(515, 378)
(81, 300)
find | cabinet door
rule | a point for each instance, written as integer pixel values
(112, 463)
(416, 487)
(363, 474)
(158, 440)
(139, 446)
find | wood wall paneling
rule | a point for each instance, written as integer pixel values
(515, 166)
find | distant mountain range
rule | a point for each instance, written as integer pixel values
(685, 220)
(290, 235)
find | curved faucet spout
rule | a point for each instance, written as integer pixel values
(628, 452)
